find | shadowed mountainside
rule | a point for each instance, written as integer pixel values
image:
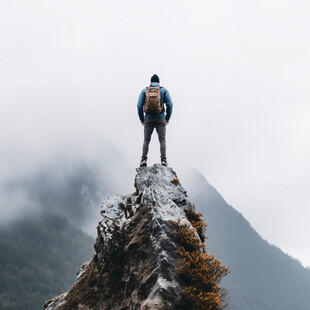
(42, 249)
(262, 276)
(39, 257)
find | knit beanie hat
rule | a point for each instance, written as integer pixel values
(155, 78)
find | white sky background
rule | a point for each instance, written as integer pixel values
(237, 71)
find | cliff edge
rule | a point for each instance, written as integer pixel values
(136, 249)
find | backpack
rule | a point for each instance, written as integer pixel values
(152, 100)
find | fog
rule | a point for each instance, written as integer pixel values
(238, 74)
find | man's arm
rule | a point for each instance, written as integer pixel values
(140, 105)
(169, 105)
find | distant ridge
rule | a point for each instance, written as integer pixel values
(30, 252)
(262, 276)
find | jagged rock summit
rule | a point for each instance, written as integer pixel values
(135, 262)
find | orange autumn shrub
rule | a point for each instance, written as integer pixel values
(197, 221)
(186, 237)
(200, 270)
(175, 181)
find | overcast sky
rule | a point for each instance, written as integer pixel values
(237, 71)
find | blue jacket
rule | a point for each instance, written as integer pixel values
(164, 97)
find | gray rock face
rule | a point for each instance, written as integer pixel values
(135, 260)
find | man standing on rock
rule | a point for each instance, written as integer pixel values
(152, 115)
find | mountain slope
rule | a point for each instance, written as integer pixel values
(32, 247)
(30, 254)
(262, 276)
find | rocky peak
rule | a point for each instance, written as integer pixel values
(135, 262)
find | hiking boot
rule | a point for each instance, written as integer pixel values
(164, 162)
(143, 163)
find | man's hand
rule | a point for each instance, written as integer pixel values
(167, 122)
(142, 123)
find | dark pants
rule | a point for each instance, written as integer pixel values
(160, 124)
